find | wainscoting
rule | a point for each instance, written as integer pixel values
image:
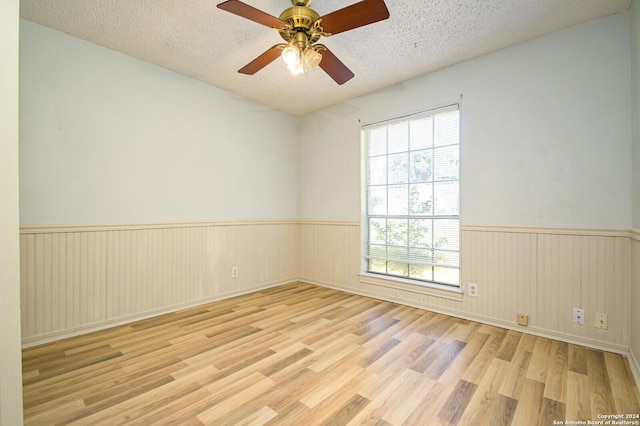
(540, 272)
(76, 279)
(635, 302)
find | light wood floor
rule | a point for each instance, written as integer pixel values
(305, 355)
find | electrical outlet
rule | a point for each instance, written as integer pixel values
(472, 288)
(234, 272)
(523, 319)
(602, 321)
(578, 316)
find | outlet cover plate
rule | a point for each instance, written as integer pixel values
(602, 321)
(578, 316)
(472, 289)
(523, 319)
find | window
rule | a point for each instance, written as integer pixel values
(412, 197)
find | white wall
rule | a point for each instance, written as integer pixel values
(635, 277)
(546, 133)
(105, 138)
(635, 81)
(10, 356)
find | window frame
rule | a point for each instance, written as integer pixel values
(409, 216)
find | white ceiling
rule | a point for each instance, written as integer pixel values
(197, 39)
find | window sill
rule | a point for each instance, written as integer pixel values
(429, 289)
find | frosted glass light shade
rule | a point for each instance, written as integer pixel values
(312, 58)
(291, 55)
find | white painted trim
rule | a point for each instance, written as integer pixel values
(49, 229)
(329, 222)
(434, 290)
(103, 325)
(604, 232)
(634, 365)
(36, 229)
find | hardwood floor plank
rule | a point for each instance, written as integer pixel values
(302, 354)
(333, 404)
(178, 412)
(133, 409)
(446, 357)
(578, 399)
(216, 413)
(54, 413)
(407, 393)
(502, 411)
(347, 411)
(457, 402)
(513, 382)
(624, 394)
(462, 362)
(286, 396)
(259, 417)
(430, 355)
(509, 345)
(335, 378)
(486, 354)
(556, 381)
(335, 351)
(551, 411)
(229, 400)
(539, 364)
(481, 404)
(599, 384)
(529, 404)
(400, 356)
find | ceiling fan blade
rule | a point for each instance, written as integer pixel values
(357, 15)
(334, 67)
(261, 61)
(242, 9)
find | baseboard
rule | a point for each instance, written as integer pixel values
(549, 334)
(635, 368)
(103, 325)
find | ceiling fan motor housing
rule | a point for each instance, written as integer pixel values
(302, 19)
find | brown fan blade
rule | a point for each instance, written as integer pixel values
(261, 61)
(357, 15)
(242, 9)
(334, 67)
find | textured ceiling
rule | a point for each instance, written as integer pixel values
(198, 40)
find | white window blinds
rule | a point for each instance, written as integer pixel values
(412, 186)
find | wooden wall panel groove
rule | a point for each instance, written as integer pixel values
(76, 280)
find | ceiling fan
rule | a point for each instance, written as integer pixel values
(301, 27)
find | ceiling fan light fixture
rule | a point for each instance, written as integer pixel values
(291, 55)
(305, 61)
(312, 58)
(296, 68)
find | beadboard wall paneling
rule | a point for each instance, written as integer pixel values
(330, 252)
(541, 272)
(81, 278)
(635, 304)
